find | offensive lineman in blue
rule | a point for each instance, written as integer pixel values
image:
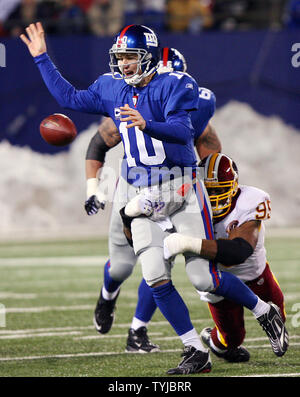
(152, 113)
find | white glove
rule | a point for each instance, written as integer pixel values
(139, 205)
(178, 243)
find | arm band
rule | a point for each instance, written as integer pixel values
(97, 148)
(233, 252)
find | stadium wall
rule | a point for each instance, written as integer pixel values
(253, 67)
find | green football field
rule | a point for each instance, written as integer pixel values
(48, 292)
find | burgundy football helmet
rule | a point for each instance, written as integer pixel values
(221, 182)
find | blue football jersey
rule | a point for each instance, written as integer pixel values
(148, 157)
(166, 93)
(205, 111)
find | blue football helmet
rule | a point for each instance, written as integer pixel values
(140, 40)
(172, 61)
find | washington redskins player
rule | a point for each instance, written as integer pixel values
(238, 215)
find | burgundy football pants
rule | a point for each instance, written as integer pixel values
(229, 317)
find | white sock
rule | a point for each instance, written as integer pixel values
(260, 308)
(136, 323)
(109, 296)
(191, 338)
(221, 351)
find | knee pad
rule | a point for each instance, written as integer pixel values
(154, 267)
(146, 234)
(122, 261)
(121, 271)
(199, 274)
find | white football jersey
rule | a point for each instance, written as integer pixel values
(252, 204)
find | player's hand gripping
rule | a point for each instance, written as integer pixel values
(36, 43)
(92, 205)
(134, 116)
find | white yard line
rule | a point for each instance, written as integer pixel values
(14, 295)
(41, 335)
(53, 329)
(92, 354)
(55, 261)
(47, 308)
(88, 337)
(267, 375)
(81, 295)
(97, 354)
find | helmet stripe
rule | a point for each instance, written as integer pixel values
(124, 31)
(165, 56)
(211, 165)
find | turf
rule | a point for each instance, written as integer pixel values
(49, 291)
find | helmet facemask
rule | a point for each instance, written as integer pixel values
(144, 68)
(221, 182)
(221, 202)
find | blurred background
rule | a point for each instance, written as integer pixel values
(245, 51)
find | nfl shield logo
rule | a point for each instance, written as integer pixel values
(135, 99)
(117, 113)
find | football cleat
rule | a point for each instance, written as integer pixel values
(235, 355)
(104, 314)
(138, 342)
(273, 325)
(194, 361)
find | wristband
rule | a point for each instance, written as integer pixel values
(192, 244)
(92, 185)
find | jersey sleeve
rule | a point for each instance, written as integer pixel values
(180, 93)
(205, 111)
(89, 101)
(254, 205)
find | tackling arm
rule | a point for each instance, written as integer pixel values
(232, 251)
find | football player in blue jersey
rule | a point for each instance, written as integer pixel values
(206, 142)
(153, 114)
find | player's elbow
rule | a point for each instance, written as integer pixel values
(62, 102)
(183, 133)
(184, 139)
(233, 252)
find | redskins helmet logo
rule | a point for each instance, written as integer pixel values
(232, 225)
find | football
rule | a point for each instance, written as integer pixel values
(58, 130)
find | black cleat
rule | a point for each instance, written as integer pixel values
(138, 342)
(272, 323)
(194, 361)
(235, 355)
(104, 314)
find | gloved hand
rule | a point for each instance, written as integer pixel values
(92, 205)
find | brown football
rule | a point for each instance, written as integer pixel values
(58, 130)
